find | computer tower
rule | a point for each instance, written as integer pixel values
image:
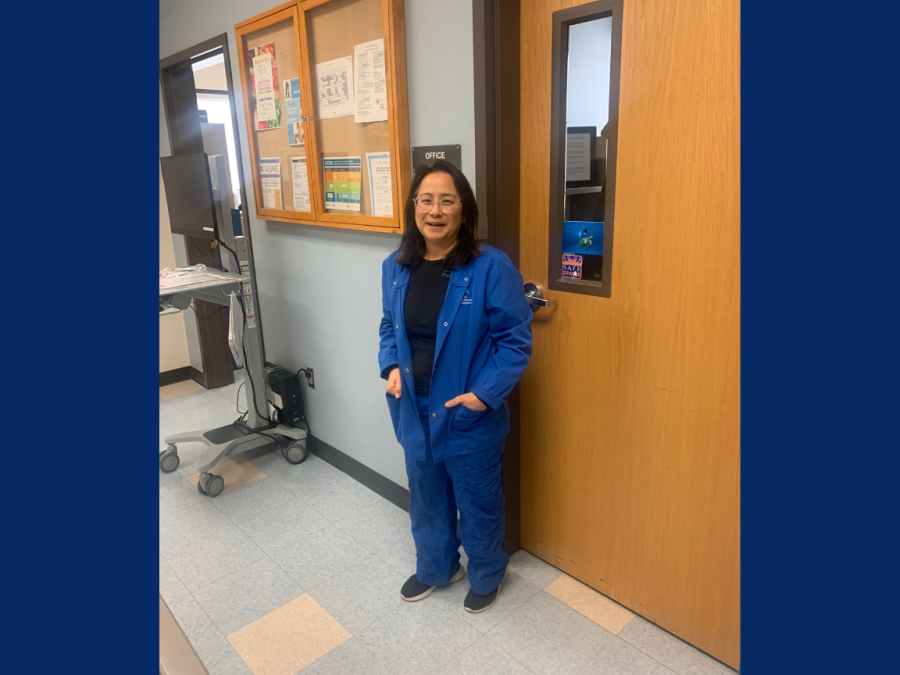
(287, 399)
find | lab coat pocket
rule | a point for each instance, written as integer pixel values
(394, 407)
(465, 418)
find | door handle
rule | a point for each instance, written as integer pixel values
(534, 294)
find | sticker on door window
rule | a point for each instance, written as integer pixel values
(571, 265)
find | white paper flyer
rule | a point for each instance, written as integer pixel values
(379, 164)
(371, 87)
(270, 181)
(334, 87)
(300, 180)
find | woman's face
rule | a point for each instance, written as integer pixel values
(439, 229)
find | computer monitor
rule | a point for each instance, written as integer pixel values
(189, 195)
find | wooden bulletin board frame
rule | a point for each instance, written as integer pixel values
(304, 15)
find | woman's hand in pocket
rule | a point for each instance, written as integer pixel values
(470, 401)
(394, 386)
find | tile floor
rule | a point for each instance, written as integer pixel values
(298, 569)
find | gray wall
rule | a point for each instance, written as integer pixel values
(320, 289)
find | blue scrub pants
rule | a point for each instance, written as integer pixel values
(473, 484)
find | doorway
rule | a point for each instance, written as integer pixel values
(628, 457)
(198, 100)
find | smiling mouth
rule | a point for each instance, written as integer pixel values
(433, 224)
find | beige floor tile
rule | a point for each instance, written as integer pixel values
(179, 389)
(236, 473)
(288, 639)
(585, 600)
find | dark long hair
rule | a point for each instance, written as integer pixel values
(412, 244)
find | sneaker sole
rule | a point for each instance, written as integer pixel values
(496, 597)
(419, 597)
(459, 576)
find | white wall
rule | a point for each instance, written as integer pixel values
(320, 289)
(212, 75)
(590, 49)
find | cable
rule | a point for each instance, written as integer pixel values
(194, 309)
(239, 424)
(238, 398)
(309, 432)
(216, 263)
(205, 255)
(247, 364)
(230, 250)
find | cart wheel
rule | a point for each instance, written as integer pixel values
(295, 452)
(168, 460)
(210, 484)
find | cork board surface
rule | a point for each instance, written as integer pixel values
(274, 142)
(334, 29)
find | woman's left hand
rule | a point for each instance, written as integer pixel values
(470, 401)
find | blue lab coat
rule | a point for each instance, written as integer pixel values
(483, 346)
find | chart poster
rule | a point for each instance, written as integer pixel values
(334, 88)
(371, 88)
(265, 93)
(270, 181)
(343, 183)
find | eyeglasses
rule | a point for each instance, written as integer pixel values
(446, 204)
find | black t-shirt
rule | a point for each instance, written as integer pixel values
(424, 300)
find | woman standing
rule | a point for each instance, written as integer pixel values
(455, 339)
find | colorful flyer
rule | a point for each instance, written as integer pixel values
(293, 112)
(265, 93)
(292, 89)
(571, 266)
(343, 183)
(270, 181)
(582, 238)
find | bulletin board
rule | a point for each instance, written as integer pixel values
(334, 29)
(325, 44)
(274, 142)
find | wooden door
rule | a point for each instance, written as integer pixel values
(630, 409)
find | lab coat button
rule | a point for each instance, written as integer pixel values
(407, 370)
(446, 324)
(466, 279)
(397, 326)
(434, 414)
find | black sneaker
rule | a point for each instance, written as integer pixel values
(414, 589)
(476, 604)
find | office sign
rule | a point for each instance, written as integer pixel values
(429, 154)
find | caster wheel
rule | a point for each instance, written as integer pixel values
(296, 452)
(168, 460)
(210, 484)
